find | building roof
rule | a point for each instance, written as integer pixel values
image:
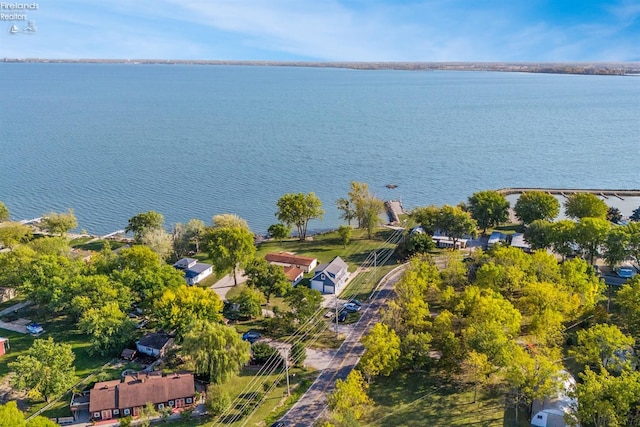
(289, 258)
(518, 241)
(185, 263)
(139, 389)
(156, 340)
(292, 272)
(333, 270)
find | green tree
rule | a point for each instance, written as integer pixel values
(345, 232)
(279, 231)
(263, 353)
(215, 350)
(372, 208)
(298, 209)
(109, 328)
(628, 297)
(583, 205)
(616, 246)
(217, 401)
(381, 351)
(456, 223)
(603, 346)
(13, 233)
(195, 231)
(4, 213)
(415, 350)
(179, 309)
(478, 368)
(590, 234)
(606, 400)
(304, 302)
(635, 215)
(534, 205)
(350, 396)
(180, 242)
(249, 301)
(489, 209)
(427, 217)
(229, 220)
(144, 222)
(348, 211)
(268, 278)
(419, 243)
(563, 236)
(230, 248)
(45, 370)
(59, 223)
(539, 234)
(358, 195)
(11, 416)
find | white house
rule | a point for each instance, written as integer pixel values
(294, 274)
(154, 344)
(495, 238)
(330, 278)
(194, 271)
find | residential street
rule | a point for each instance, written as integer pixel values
(313, 403)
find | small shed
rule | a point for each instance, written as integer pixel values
(128, 354)
(4, 345)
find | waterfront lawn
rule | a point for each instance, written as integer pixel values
(419, 399)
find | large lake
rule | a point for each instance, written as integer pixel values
(112, 140)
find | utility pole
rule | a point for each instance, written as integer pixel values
(336, 297)
(286, 368)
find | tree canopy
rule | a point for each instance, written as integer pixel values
(144, 222)
(181, 308)
(535, 205)
(59, 223)
(230, 248)
(582, 205)
(268, 278)
(298, 209)
(4, 213)
(489, 209)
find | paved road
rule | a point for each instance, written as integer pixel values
(313, 403)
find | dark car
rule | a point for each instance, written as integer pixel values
(351, 307)
(277, 424)
(343, 316)
(251, 336)
(356, 302)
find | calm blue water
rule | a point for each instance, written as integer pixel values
(110, 141)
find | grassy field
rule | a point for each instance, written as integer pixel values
(423, 399)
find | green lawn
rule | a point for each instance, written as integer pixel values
(423, 399)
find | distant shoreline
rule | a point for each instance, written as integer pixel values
(583, 68)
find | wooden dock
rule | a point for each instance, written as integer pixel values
(605, 194)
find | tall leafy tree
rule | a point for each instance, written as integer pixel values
(614, 215)
(455, 223)
(304, 302)
(268, 278)
(13, 233)
(616, 246)
(585, 205)
(195, 231)
(45, 370)
(563, 237)
(144, 222)
(489, 209)
(603, 346)
(4, 213)
(230, 248)
(539, 234)
(358, 194)
(215, 350)
(159, 241)
(628, 297)
(249, 301)
(372, 208)
(590, 234)
(427, 217)
(635, 215)
(350, 396)
(59, 223)
(298, 209)
(11, 416)
(345, 232)
(348, 210)
(534, 205)
(110, 329)
(180, 308)
(381, 351)
(279, 231)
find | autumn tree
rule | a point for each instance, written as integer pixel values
(179, 309)
(144, 222)
(350, 396)
(230, 248)
(583, 205)
(268, 278)
(381, 351)
(215, 350)
(45, 370)
(279, 231)
(298, 209)
(59, 223)
(534, 205)
(489, 209)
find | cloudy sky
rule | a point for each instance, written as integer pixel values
(326, 30)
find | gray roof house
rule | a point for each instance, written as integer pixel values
(330, 278)
(194, 271)
(154, 344)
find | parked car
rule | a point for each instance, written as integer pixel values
(277, 424)
(34, 329)
(251, 336)
(343, 316)
(352, 308)
(356, 302)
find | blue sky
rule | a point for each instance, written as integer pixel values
(330, 30)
